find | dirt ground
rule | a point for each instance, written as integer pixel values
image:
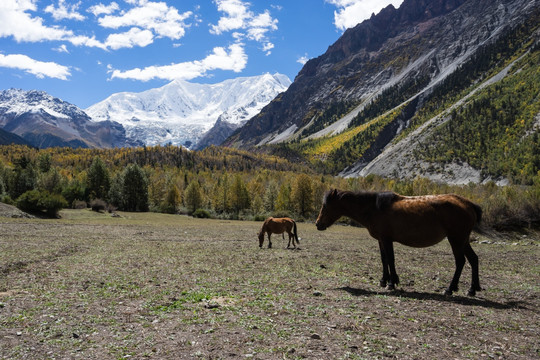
(92, 286)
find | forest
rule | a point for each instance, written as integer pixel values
(217, 183)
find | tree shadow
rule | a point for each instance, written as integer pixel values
(455, 299)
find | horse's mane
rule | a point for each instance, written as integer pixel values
(382, 199)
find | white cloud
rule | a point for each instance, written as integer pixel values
(38, 68)
(163, 20)
(239, 17)
(101, 9)
(17, 22)
(234, 60)
(267, 47)
(129, 39)
(303, 59)
(64, 11)
(62, 49)
(352, 12)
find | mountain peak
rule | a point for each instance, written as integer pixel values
(180, 112)
(44, 121)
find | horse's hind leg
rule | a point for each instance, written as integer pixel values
(473, 260)
(459, 257)
(386, 274)
(291, 238)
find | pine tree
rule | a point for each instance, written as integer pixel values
(98, 180)
(135, 189)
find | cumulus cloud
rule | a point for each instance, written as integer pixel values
(64, 11)
(38, 68)
(131, 38)
(163, 20)
(352, 12)
(234, 59)
(237, 16)
(15, 21)
(101, 9)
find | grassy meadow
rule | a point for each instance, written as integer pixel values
(157, 286)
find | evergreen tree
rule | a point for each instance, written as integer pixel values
(23, 178)
(115, 191)
(134, 189)
(98, 180)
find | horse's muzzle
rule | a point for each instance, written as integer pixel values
(321, 227)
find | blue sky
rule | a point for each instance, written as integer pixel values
(84, 51)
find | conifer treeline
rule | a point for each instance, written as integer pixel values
(217, 182)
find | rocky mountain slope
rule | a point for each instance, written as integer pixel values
(45, 121)
(182, 112)
(389, 76)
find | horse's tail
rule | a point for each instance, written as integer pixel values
(295, 233)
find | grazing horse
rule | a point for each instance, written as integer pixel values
(417, 221)
(278, 226)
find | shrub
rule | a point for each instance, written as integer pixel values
(98, 205)
(79, 204)
(6, 199)
(41, 201)
(259, 217)
(202, 214)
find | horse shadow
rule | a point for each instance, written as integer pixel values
(461, 300)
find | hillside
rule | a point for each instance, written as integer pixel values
(390, 81)
(45, 121)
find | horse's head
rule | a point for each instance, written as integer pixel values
(330, 210)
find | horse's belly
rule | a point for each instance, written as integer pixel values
(419, 239)
(414, 233)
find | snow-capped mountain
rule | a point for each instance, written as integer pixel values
(45, 121)
(182, 112)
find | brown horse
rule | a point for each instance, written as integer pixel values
(418, 221)
(278, 226)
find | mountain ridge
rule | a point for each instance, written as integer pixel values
(180, 112)
(369, 72)
(44, 121)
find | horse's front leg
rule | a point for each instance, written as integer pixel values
(269, 241)
(390, 268)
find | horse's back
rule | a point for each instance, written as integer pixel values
(422, 221)
(279, 225)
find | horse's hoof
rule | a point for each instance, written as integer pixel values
(471, 292)
(382, 283)
(448, 292)
(390, 287)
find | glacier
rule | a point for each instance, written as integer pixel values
(181, 112)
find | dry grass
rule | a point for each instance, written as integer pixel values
(158, 286)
